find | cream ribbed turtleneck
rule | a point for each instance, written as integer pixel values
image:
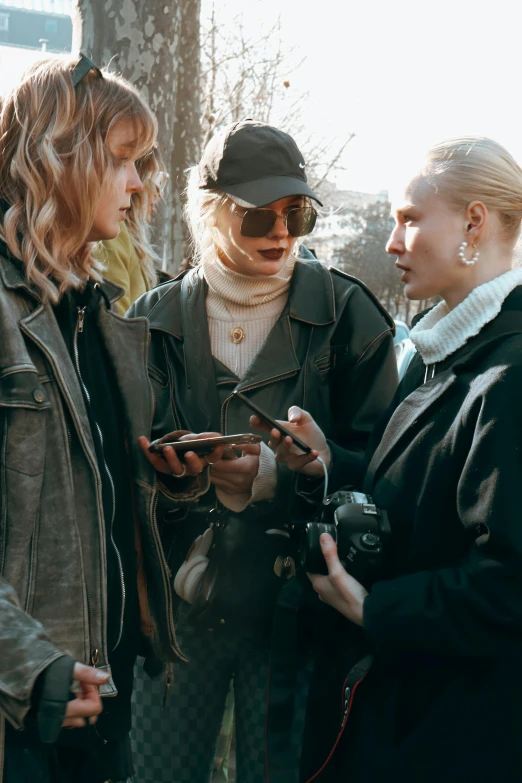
(254, 304)
(236, 300)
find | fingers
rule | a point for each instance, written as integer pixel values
(236, 476)
(244, 466)
(337, 574)
(259, 424)
(288, 454)
(158, 460)
(88, 703)
(275, 439)
(178, 467)
(168, 462)
(84, 707)
(88, 674)
(215, 455)
(339, 589)
(295, 458)
(195, 463)
(286, 445)
(251, 448)
(297, 415)
(79, 723)
(329, 550)
(228, 454)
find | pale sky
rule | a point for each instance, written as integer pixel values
(399, 76)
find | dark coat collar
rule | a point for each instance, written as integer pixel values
(417, 405)
(311, 298)
(12, 274)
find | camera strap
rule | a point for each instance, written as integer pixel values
(355, 676)
(353, 679)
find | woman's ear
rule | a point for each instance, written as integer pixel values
(476, 215)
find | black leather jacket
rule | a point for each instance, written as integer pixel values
(330, 352)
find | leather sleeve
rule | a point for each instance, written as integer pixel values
(25, 651)
(363, 382)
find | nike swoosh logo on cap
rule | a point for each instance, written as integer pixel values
(301, 165)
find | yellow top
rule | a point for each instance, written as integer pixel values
(122, 267)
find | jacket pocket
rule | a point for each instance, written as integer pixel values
(22, 387)
(322, 363)
(158, 376)
(24, 405)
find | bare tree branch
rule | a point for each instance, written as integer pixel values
(333, 163)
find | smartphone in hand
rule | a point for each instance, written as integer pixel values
(272, 422)
(203, 446)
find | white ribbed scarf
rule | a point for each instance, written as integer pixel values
(441, 332)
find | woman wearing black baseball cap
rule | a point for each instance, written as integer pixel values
(256, 315)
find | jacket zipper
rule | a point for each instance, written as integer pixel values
(169, 679)
(167, 575)
(94, 652)
(429, 372)
(177, 419)
(78, 330)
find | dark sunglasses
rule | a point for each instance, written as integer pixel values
(82, 68)
(257, 222)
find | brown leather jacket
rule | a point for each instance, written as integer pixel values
(52, 542)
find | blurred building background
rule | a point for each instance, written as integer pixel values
(36, 24)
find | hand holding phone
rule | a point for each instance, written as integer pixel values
(273, 423)
(165, 459)
(202, 446)
(290, 449)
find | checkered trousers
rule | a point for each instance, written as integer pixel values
(177, 744)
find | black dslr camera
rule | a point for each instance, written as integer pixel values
(360, 530)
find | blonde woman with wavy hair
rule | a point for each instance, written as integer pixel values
(77, 495)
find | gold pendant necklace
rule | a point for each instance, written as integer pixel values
(237, 334)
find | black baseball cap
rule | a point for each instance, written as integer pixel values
(255, 164)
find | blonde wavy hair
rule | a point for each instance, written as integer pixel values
(200, 211)
(150, 169)
(475, 168)
(55, 165)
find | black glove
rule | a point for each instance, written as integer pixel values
(54, 695)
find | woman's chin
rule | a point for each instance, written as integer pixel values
(263, 268)
(416, 293)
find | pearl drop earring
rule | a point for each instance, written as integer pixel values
(463, 258)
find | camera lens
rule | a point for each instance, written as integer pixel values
(312, 558)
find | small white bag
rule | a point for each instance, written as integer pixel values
(188, 578)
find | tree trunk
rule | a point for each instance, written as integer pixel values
(155, 45)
